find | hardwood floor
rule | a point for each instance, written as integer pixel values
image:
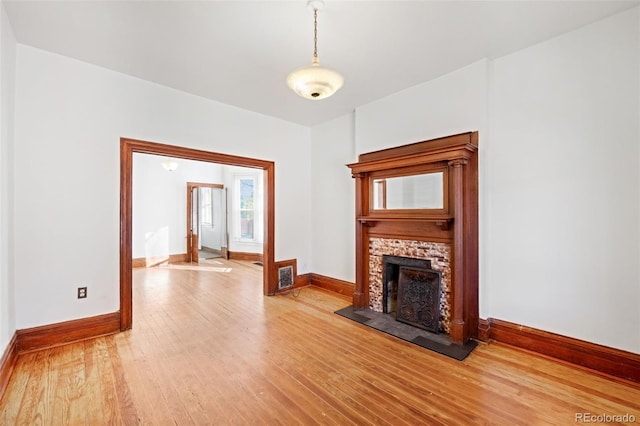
(208, 348)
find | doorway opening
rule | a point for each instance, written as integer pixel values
(130, 146)
(207, 233)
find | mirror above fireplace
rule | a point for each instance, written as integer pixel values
(419, 191)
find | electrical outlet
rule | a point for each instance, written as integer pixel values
(82, 292)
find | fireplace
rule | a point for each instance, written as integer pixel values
(390, 273)
(412, 291)
(420, 201)
(386, 256)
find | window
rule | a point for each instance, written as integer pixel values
(246, 209)
(246, 187)
(206, 206)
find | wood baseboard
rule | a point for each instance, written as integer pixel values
(484, 330)
(8, 363)
(147, 262)
(332, 284)
(140, 262)
(239, 255)
(610, 361)
(302, 280)
(210, 249)
(47, 336)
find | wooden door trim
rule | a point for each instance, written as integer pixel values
(190, 186)
(130, 146)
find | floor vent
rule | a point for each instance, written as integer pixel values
(285, 277)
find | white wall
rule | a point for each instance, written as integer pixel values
(564, 193)
(454, 103)
(69, 118)
(159, 203)
(332, 231)
(7, 283)
(559, 186)
(451, 104)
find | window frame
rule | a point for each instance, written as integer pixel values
(238, 208)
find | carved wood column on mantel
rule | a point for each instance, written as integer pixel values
(457, 326)
(456, 223)
(361, 290)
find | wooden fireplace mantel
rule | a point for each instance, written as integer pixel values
(443, 221)
(456, 223)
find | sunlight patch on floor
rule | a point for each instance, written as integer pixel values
(198, 268)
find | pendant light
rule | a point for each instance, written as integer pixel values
(315, 81)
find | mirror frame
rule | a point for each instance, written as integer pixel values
(410, 171)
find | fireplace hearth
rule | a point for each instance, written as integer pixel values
(440, 343)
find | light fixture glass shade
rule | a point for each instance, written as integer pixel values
(169, 165)
(315, 81)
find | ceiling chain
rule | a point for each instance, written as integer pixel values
(315, 33)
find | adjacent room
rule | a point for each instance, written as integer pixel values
(320, 212)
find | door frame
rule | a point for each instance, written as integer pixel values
(130, 146)
(190, 186)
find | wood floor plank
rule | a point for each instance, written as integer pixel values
(390, 382)
(35, 405)
(17, 386)
(208, 348)
(92, 394)
(341, 382)
(69, 387)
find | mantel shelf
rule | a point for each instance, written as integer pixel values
(443, 221)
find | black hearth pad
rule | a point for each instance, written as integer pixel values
(440, 343)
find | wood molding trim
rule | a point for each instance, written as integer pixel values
(147, 262)
(240, 255)
(139, 262)
(332, 284)
(210, 249)
(440, 144)
(611, 361)
(47, 336)
(302, 280)
(8, 363)
(484, 330)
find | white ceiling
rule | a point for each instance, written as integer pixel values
(240, 52)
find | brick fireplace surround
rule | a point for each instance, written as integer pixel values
(446, 236)
(438, 253)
